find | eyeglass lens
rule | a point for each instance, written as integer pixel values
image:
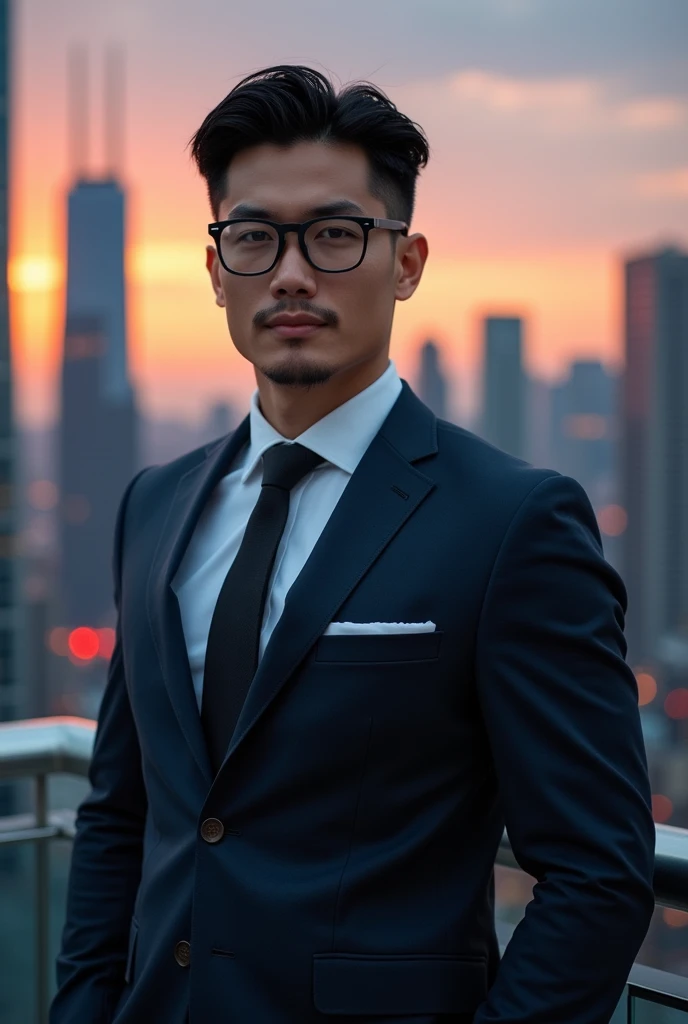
(249, 247)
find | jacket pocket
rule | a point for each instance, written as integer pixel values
(362, 983)
(378, 647)
(131, 951)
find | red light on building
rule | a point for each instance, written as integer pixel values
(612, 520)
(58, 641)
(84, 643)
(106, 642)
(676, 703)
(585, 426)
(675, 918)
(662, 808)
(43, 495)
(647, 688)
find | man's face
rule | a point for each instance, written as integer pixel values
(357, 306)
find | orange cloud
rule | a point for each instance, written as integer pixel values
(658, 112)
(662, 184)
(500, 92)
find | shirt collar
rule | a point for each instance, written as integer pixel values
(342, 436)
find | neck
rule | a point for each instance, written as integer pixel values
(291, 410)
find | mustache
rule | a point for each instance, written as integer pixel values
(329, 317)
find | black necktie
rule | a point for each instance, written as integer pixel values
(233, 641)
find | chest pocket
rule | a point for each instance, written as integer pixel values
(378, 648)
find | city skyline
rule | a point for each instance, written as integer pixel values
(544, 176)
(558, 162)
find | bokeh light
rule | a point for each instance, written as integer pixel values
(612, 520)
(58, 641)
(42, 495)
(106, 642)
(84, 643)
(662, 808)
(675, 918)
(647, 688)
(676, 703)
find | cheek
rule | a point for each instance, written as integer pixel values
(374, 298)
(238, 313)
(237, 307)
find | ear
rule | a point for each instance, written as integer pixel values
(212, 263)
(412, 254)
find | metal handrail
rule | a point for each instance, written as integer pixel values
(671, 865)
(46, 746)
(40, 747)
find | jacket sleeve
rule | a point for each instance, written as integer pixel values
(561, 711)
(106, 858)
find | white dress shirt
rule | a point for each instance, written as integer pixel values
(341, 438)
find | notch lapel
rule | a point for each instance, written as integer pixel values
(193, 490)
(382, 494)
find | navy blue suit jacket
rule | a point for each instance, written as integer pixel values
(369, 778)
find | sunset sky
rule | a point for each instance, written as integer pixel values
(559, 144)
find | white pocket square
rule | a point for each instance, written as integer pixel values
(353, 628)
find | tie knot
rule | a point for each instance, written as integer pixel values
(285, 464)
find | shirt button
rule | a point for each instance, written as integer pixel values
(182, 953)
(212, 830)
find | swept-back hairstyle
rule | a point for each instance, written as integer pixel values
(290, 103)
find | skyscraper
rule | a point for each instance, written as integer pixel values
(654, 449)
(584, 428)
(432, 382)
(504, 384)
(9, 605)
(98, 441)
(538, 447)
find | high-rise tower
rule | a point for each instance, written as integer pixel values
(584, 410)
(432, 381)
(99, 423)
(504, 384)
(654, 451)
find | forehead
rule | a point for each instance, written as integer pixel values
(292, 181)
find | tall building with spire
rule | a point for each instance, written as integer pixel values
(98, 436)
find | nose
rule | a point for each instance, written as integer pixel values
(293, 274)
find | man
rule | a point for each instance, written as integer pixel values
(353, 643)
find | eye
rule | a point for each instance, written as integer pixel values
(256, 232)
(343, 233)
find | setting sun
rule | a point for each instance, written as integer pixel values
(34, 273)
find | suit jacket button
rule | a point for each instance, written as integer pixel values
(182, 953)
(212, 830)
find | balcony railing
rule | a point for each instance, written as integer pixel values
(39, 748)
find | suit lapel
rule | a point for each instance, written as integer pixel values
(193, 490)
(382, 494)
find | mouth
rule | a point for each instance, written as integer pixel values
(296, 330)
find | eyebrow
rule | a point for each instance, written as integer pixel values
(330, 209)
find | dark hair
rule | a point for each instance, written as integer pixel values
(290, 103)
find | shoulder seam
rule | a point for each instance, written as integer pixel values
(552, 474)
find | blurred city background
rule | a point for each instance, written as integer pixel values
(552, 317)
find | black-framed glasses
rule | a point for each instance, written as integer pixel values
(331, 244)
